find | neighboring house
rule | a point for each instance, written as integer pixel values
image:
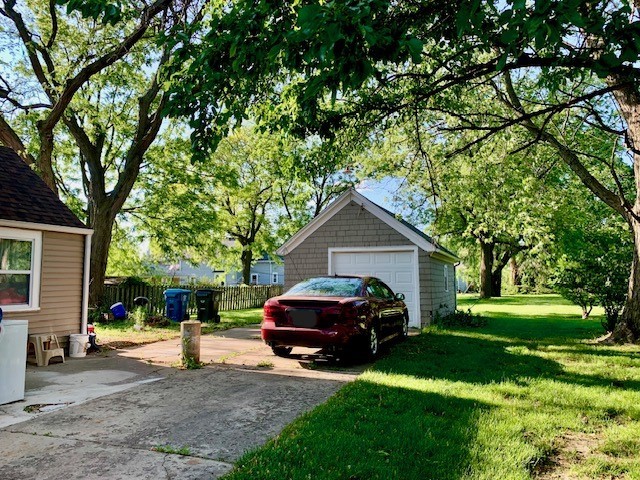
(183, 272)
(353, 235)
(263, 272)
(44, 254)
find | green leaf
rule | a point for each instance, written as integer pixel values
(308, 15)
(415, 49)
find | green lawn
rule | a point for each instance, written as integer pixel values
(525, 396)
(121, 333)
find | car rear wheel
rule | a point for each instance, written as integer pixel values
(282, 351)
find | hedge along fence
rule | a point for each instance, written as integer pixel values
(231, 298)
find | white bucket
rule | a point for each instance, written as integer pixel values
(78, 344)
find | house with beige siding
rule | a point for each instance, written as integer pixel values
(44, 254)
(354, 235)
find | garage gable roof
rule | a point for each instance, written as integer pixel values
(407, 230)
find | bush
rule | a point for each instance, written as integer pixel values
(158, 321)
(139, 317)
(460, 318)
(100, 313)
(594, 269)
(134, 281)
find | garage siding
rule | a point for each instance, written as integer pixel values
(350, 227)
(426, 296)
(353, 226)
(60, 286)
(432, 287)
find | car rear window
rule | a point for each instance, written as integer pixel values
(328, 287)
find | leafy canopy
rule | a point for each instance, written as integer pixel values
(325, 64)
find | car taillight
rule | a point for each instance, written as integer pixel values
(273, 310)
(350, 313)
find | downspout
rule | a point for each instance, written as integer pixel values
(432, 311)
(455, 285)
(85, 284)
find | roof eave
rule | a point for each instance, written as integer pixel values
(375, 210)
(45, 227)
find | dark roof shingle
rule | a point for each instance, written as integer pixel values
(24, 197)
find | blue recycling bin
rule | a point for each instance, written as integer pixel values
(176, 303)
(118, 311)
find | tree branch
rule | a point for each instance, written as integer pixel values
(619, 204)
(10, 138)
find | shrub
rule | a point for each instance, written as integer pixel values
(158, 321)
(139, 317)
(133, 281)
(460, 318)
(100, 313)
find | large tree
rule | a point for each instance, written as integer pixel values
(486, 202)
(228, 210)
(368, 61)
(82, 102)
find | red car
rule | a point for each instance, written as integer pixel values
(340, 313)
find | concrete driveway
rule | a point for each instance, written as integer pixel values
(126, 414)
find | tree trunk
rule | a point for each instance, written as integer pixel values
(246, 258)
(102, 223)
(516, 274)
(44, 163)
(496, 282)
(627, 328)
(486, 268)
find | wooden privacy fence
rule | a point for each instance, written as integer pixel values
(230, 298)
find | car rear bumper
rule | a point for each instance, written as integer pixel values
(337, 336)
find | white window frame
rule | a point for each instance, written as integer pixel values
(446, 278)
(254, 279)
(35, 237)
(274, 278)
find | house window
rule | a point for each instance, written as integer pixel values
(20, 258)
(274, 278)
(446, 278)
(254, 279)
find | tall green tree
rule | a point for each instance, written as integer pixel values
(82, 101)
(487, 202)
(237, 205)
(592, 252)
(333, 63)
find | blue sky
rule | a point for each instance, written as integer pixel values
(382, 192)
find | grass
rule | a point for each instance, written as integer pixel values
(527, 396)
(184, 451)
(123, 334)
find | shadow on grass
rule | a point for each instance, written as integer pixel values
(523, 300)
(372, 431)
(451, 355)
(547, 329)
(391, 423)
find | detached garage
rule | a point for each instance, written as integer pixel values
(355, 236)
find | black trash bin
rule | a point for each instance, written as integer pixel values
(141, 301)
(207, 301)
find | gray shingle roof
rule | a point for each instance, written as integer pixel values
(24, 197)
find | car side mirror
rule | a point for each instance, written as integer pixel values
(399, 296)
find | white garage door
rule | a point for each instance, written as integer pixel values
(396, 268)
